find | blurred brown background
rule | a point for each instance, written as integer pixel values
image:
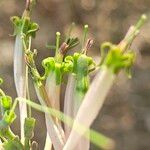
(125, 116)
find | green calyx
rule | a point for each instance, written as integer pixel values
(83, 64)
(51, 65)
(116, 60)
(24, 26)
(80, 64)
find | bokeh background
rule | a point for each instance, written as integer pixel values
(125, 116)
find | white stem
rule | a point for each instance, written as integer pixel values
(84, 143)
(52, 129)
(20, 80)
(69, 101)
(91, 105)
(53, 92)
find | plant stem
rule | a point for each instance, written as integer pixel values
(85, 32)
(84, 143)
(68, 102)
(57, 43)
(53, 92)
(20, 80)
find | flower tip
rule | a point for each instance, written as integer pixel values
(86, 26)
(144, 17)
(57, 33)
(141, 22)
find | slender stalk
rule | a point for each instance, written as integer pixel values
(57, 43)
(85, 32)
(84, 143)
(69, 102)
(91, 105)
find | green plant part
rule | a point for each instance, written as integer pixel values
(24, 26)
(80, 64)
(29, 57)
(117, 60)
(8, 116)
(51, 66)
(6, 103)
(29, 131)
(56, 64)
(13, 144)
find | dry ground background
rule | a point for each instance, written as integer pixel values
(125, 116)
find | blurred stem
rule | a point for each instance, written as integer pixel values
(132, 33)
(57, 43)
(85, 32)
